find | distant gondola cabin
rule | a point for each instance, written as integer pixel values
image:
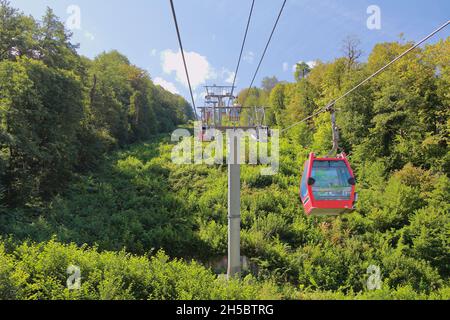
(327, 186)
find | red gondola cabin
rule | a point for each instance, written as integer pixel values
(327, 186)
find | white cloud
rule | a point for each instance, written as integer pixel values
(310, 64)
(199, 68)
(230, 78)
(285, 66)
(227, 75)
(89, 35)
(249, 56)
(169, 86)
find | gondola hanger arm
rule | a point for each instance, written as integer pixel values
(334, 128)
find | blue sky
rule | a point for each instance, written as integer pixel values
(212, 32)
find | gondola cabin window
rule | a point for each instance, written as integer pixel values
(304, 188)
(331, 180)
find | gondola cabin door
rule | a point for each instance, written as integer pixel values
(328, 186)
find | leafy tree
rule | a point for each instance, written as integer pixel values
(55, 48)
(277, 103)
(268, 83)
(42, 112)
(17, 33)
(302, 69)
(301, 98)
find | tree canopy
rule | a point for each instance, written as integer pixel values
(62, 111)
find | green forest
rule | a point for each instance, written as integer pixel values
(86, 179)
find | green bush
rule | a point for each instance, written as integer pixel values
(39, 271)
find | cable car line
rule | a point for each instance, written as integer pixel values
(184, 58)
(325, 109)
(332, 103)
(242, 48)
(267, 46)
